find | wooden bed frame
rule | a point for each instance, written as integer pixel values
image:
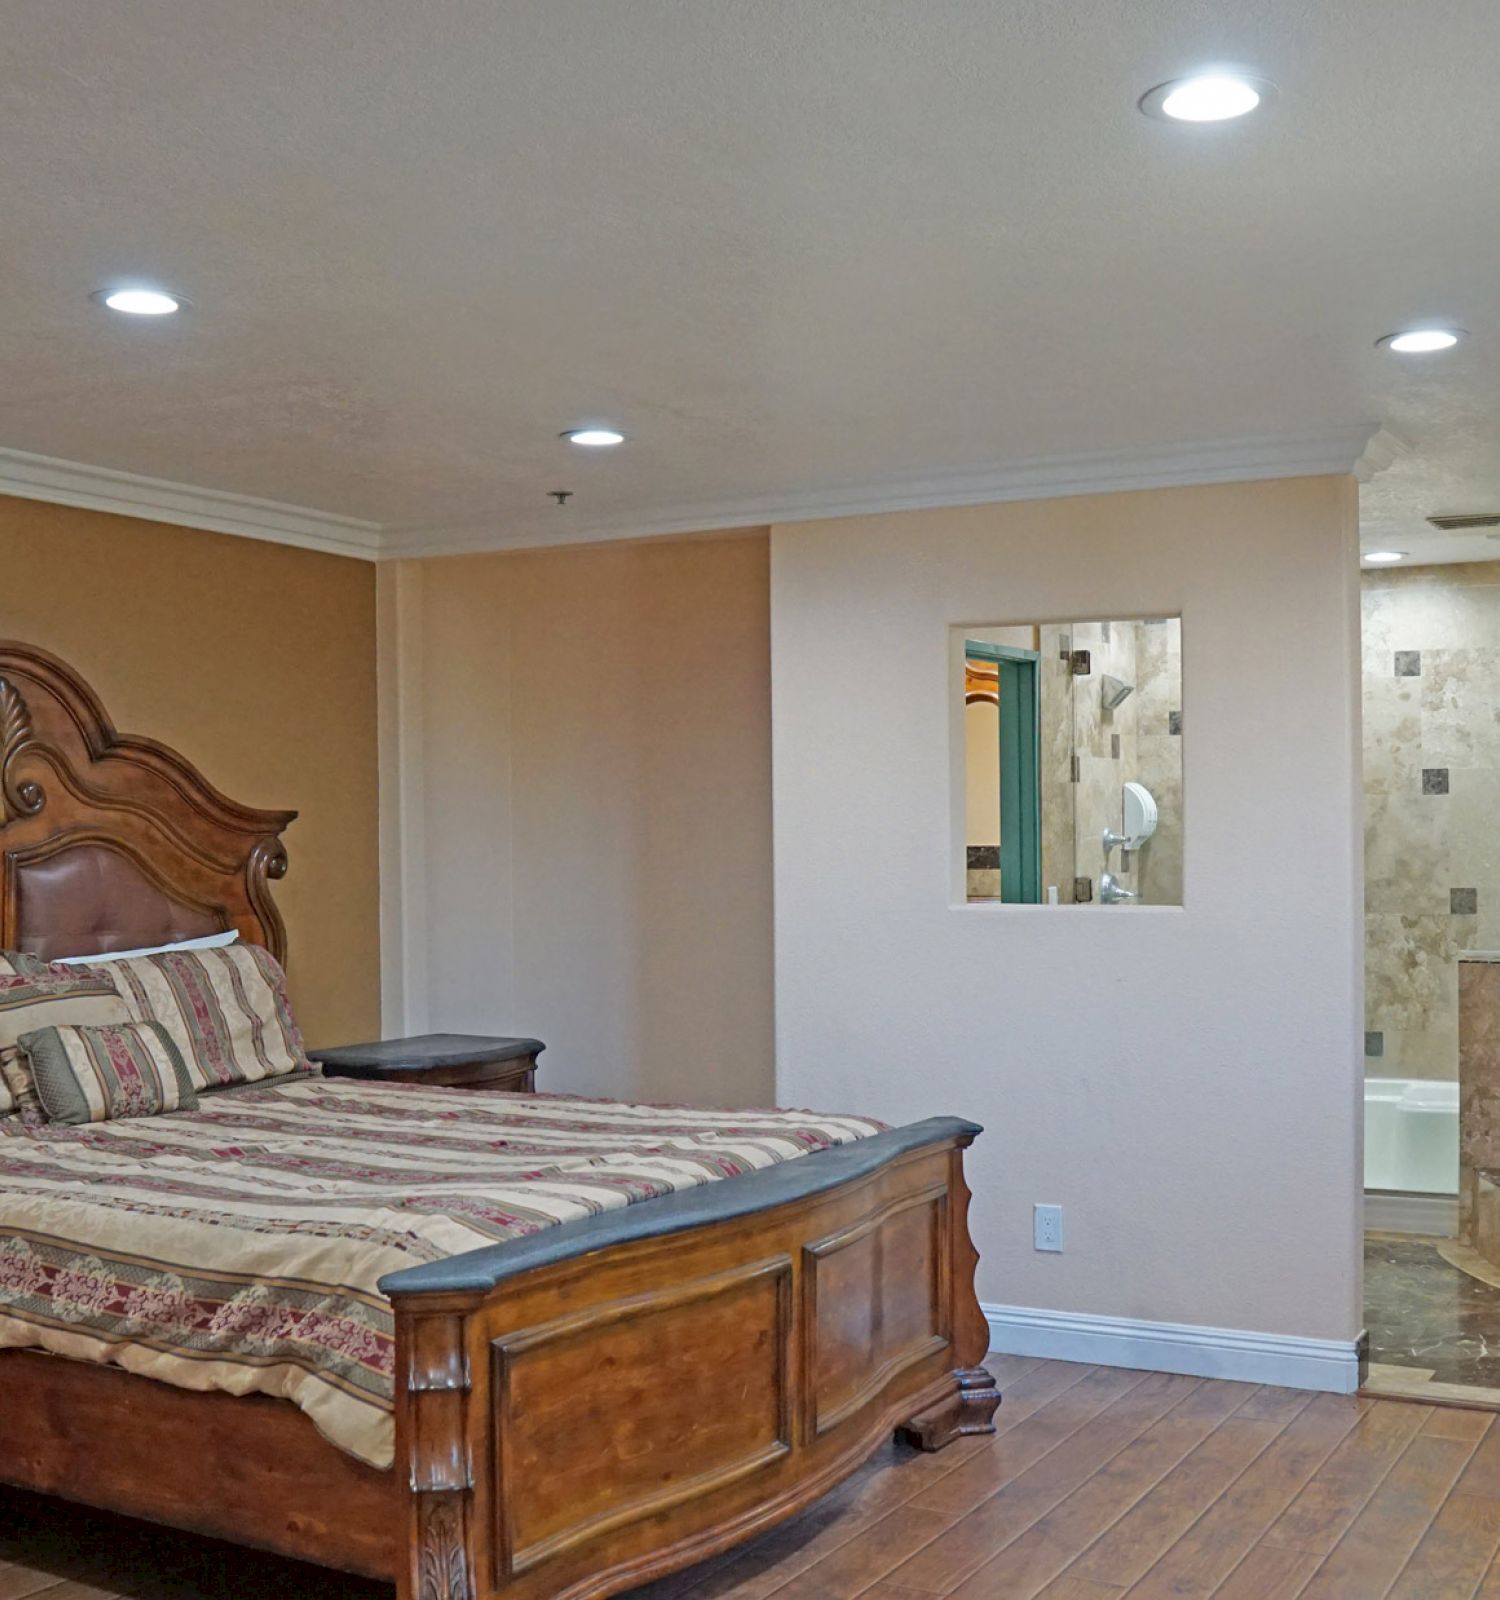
(576, 1412)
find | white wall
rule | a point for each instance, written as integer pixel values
(1184, 1081)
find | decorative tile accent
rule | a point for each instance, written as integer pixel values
(1463, 902)
(1374, 1044)
(1408, 663)
(1174, 722)
(1434, 780)
(984, 858)
(1114, 746)
(1083, 891)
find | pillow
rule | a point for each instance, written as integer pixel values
(209, 941)
(43, 998)
(226, 1010)
(128, 1069)
(13, 963)
(18, 964)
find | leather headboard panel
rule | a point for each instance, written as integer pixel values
(89, 900)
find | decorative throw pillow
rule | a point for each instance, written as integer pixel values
(128, 1069)
(14, 964)
(44, 998)
(226, 1010)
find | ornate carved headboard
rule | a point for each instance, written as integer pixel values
(109, 842)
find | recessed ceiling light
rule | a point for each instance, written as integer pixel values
(139, 302)
(1208, 97)
(1383, 558)
(1421, 341)
(594, 438)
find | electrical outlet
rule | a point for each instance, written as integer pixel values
(1046, 1227)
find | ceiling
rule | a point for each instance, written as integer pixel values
(800, 253)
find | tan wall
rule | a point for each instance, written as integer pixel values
(982, 771)
(1184, 1081)
(257, 662)
(595, 828)
(1432, 800)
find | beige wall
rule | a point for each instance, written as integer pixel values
(982, 772)
(594, 826)
(257, 662)
(1183, 1080)
(1432, 862)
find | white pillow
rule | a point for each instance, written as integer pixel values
(209, 941)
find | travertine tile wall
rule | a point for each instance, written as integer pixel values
(1139, 741)
(1431, 661)
(1158, 752)
(1056, 771)
(1105, 742)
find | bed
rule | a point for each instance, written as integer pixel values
(575, 1408)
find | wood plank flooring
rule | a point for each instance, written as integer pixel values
(1100, 1485)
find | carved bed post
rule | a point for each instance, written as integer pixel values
(432, 1399)
(971, 1407)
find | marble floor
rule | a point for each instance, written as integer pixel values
(1432, 1310)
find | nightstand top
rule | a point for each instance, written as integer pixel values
(427, 1050)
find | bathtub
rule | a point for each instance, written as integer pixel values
(1411, 1135)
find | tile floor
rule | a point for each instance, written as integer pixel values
(1433, 1320)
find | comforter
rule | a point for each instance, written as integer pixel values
(238, 1247)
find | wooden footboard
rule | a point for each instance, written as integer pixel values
(615, 1399)
(585, 1409)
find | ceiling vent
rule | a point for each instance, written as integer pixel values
(1467, 520)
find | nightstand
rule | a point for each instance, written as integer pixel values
(447, 1060)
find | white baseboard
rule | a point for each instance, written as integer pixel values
(1435, 1214)
(1275, 1358)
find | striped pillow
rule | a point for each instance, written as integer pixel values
(48, 997)
(131, 1069)
(226, 1010)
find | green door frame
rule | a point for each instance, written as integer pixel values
(1020, 767)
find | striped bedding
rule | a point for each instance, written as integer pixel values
(237, 1247)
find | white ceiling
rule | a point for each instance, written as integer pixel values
(791, 247)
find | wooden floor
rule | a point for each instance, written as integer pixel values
(1100, 1484)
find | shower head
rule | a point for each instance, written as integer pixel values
(1113, 691)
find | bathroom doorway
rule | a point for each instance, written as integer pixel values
(1431, 699)
(1002, 713)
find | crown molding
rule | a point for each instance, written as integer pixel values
(69, 483)
(1361, 450)
(1383, 449)
(1335, 450)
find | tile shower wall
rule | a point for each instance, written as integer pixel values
(1139, 741)
(1431, 660)
(1056, 769)
(1105, 742)
(1158, 747)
